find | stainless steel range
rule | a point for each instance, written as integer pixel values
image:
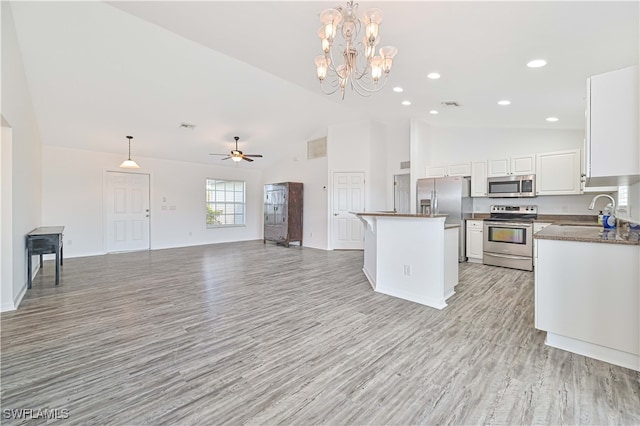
(508, 237)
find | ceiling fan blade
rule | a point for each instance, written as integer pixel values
(226, 158)
(244, 157)
(219, 154)
(253, 155)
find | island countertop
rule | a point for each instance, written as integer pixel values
(588, 234)
(392, 214)
(409, 215)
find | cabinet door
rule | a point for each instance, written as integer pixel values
(558, 173)
(612, 124)
(479, 179)
(500, 167)
(459, 170)
(474, 243)
(523, 165)
(436, 171)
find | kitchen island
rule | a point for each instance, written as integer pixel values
(412, 257)
(587, 292)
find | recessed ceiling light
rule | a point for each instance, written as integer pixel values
(433, 76)
(552, 119)
(433, 111)
(537, 63)
(406, 103)
(398, 89)
(504, 102)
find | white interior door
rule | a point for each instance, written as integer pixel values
(127, 211)
(401, 193)
(348, 196)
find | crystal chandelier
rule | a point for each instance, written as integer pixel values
(360, 68)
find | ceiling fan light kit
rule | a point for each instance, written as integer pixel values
(129, 163)
(361, 69)
(237, 155)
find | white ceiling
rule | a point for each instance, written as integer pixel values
(100, 71)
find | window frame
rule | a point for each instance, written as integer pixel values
(211, 194)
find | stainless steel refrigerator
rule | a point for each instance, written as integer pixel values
(453, 198)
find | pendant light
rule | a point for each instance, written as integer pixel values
(129, 163)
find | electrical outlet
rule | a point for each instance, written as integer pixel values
(407, 270)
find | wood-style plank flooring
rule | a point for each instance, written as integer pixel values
(247, 333)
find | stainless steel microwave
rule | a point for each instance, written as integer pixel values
(512, 186)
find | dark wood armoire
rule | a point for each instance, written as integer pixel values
(283, 212)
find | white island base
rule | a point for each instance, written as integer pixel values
(413, 257)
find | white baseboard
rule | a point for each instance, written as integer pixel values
(591, 350)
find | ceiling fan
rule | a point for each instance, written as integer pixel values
(237, 155)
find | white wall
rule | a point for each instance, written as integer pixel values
(72, 182)
(398, 150)
(25, 149)
(420, 150)
(451, 145)
(6, 222)
(314, 176)
(437, 145)
(550, 204)
(378, 178)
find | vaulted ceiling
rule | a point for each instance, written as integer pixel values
(100, 71)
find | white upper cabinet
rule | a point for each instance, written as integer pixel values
(479, 179)
(499, 167)
(612, 144)
(463, 169)
(521, 165)
(434, 172)
(558, 173)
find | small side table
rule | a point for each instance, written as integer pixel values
(44, 240)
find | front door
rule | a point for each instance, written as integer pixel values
(127, 211)
(348, 196)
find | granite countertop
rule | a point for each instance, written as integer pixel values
(589, 234)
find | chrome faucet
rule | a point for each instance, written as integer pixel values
(613, 202)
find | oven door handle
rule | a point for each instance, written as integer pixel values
(506, 256)
(509, 225)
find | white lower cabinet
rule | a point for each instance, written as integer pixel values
(587, 299)
(537, 226)
(474, 241)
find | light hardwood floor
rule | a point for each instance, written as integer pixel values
(247, 333)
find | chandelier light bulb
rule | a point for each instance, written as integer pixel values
(321, 67)
(376, 68)
(326, 44)
(387, 53)
(330, 18)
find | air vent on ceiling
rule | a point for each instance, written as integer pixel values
(187, 126)
(317, 148)
(450, 104)
(405, 164)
